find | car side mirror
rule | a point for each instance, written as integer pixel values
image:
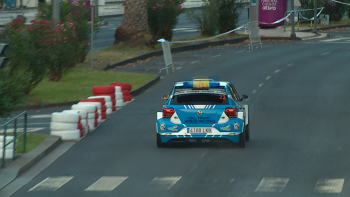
(244, 97)
(165, 97)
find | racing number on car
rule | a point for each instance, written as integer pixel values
(223, 97)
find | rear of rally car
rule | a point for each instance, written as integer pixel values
(200, 112)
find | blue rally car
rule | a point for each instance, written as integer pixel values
(203, 110)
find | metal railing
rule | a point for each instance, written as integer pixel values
(15, 137)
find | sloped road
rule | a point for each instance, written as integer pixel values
(299, 120)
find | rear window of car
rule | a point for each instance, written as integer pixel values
(199, 97)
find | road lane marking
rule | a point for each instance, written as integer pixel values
(30, 130)
(215, 56)
(178, 68)
(194, 62)
(240, 51)
(261, 84)
(276, 71)
(41, 116)
(325, 53)
(164, 183)
(51, 184)
(267, 78)
(289, 65)
(107, 183)
(329, 186)
(194, 167)
(254, 91)
(272, 184)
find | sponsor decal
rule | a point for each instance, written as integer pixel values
(236, 125)
(199, 120)
(162, 126)
(173, 128)
(227, 128)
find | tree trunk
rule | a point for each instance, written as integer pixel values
(134, 27)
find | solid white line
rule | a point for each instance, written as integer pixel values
(164, 183)
(267, 78)
(41, 116)
(325, 53)
(51, 184)
(276, 71)
(272, 185)
(329, 186)
(289, 65)
(107, 183)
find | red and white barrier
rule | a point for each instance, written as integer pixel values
(9, 148)
(83, 115)
(66, 125)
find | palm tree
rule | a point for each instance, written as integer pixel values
(134, 25)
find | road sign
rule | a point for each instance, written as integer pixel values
(253, 3)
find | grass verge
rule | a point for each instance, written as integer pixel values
(78, 83)
(33, 139)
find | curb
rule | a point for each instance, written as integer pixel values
(28, 160)
(51, 105)
(325, 28)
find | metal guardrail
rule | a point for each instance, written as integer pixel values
(14, 140)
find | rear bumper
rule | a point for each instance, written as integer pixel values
(180, 132)
(199, 138)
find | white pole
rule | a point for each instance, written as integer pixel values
(92, 34)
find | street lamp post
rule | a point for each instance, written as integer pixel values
(292, 19)
(315, 19)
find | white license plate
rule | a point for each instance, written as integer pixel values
(199, 129)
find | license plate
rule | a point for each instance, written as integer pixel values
(199, 129)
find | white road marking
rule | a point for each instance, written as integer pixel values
(261, 84)
(268, 77)
(254, 91)
(30, 130)
(51, 184)
(165, 183)
(178, 68)
(272, 184)
(194, 62)
(325, 53)
(216, 56)
(194, 167)
(329, 186)
(240, 51)
(334, 39)
(41, 116)
(107, 183)
(276, 71)
(289, 65)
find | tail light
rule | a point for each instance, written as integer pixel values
(168, 112)
(231, 112)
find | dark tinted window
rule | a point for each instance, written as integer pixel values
(200, 99)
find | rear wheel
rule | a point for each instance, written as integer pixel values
(247, 134)
(241, 142)
(159, 142)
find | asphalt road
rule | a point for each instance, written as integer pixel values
(299, 110)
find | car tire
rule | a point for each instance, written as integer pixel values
(159, 142)
(241, 141)
(247, 133)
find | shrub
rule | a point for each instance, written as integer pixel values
(206, 20)
(163, 17)
(335, 10)
(229, 11)
(78, 12)
(11, 90)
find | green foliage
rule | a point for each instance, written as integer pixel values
(11, 90)
(79, 13)
(229, 11)
(335, 10)
(163, 17)
(206, 20)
